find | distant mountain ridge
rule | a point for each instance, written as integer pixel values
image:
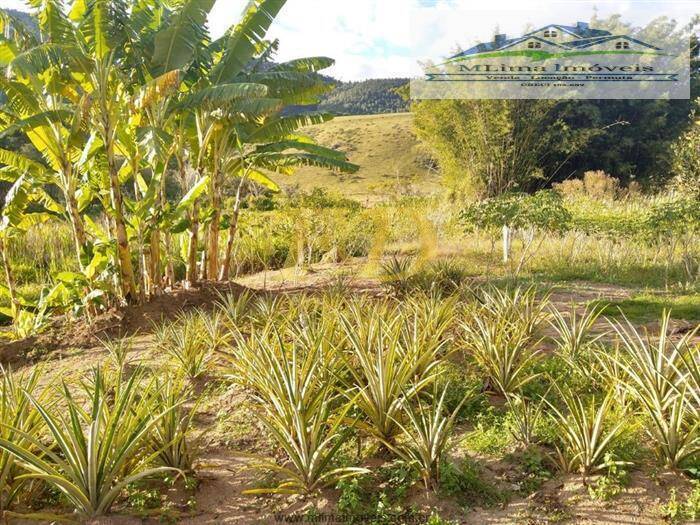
(366, 97)
(25, 18)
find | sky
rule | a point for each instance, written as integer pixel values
(389, 38)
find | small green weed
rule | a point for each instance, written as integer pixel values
(611, 484)
(466, 483)
(677, 511)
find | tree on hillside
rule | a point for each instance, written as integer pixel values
(488, 147)
(686, 160)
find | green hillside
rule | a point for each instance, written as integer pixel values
(368, 97)
(391, 159)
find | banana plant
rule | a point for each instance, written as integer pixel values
(113, 94)
(56, 129)
(15, 219)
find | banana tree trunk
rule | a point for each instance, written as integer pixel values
(203, 267)
(154, 259)
(169, 267)
(192, 270)
(157, 235)
(9, 278)
(213, 237)
(144, 284)
(77, 225)
(126, 270)
(233, 229)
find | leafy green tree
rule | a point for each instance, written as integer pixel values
(542, 212)
(686, 161)
(488, 147)
(638, 134)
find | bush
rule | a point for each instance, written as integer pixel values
(686, 162)
(595, 184)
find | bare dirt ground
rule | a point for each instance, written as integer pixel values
(222, 472)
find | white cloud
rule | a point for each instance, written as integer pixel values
(366, 37)
(14, 4)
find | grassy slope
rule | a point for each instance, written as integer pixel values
(386, 149)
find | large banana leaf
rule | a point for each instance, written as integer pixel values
(15, 202)
(293, 87)
(263, 180)
(146, 18)
(217, 96)
(8, 52)
(282, 161)
(49, 204)
(38, 59)
(40, 119)
(21, 163)
(155, 142)
(244, 40)
(181, 34)
(279, 128)
(254, 109)
(32, 219)
(45, 143)
(299, 144)
(305, 65)
(197, 189)
(52, 20)
(20, 97)
(21, 32)
(104, 25)
(77, 10)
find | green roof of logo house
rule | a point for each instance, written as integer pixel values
(560, 40)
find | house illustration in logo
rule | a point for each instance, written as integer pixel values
(560, 40)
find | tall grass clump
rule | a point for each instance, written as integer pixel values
(119, 350)
(299, 405)
(235, 308)
(505, 356)
(587, 431)
(189, 342)
(21, 425)
(172, 439)
(500, 336)
(427, 434)
(93, 451)
(398, 275)
(655, 375)
(574, 331)
(385, 364)
(520, 310)
(525, 416)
